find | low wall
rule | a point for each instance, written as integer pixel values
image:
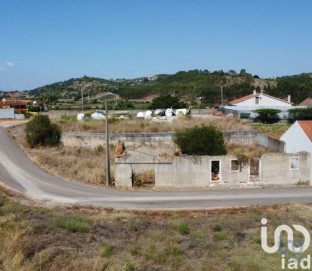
(270, 143)
(126, 166)
(275, 168)
(196, 172)
(7, 113)
(163, 141)
(241, 137)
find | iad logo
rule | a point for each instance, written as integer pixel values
(294, 246)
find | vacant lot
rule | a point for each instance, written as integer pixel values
(70, 124)
(88, 165)
(34, 238)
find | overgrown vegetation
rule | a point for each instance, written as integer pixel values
(40, 131)
(227, 239)
(204, 140)
(300, 114)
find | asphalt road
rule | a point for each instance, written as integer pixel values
(20, 173)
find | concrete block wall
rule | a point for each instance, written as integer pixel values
(7, 113)
(275, 168)
(163, 141)
(127, 165)
(195, 171)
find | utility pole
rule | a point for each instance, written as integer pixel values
(221, 95)
(107, 182)
(81, 100)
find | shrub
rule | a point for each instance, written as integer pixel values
(204, 140)
(40, 131)
(267, 115)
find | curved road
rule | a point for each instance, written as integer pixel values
(20, 173)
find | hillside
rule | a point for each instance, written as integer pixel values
(187, 85)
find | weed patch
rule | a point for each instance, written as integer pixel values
(73, 224)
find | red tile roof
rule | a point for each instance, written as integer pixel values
(13, 102)
(247, 97)
(306, 102)
(306, 126)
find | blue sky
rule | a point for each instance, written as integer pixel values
(47, 41)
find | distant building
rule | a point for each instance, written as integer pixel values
(152, 78)
(20, 106)
(298, 137)
(306, 102)
(247, 104)
(260, 100)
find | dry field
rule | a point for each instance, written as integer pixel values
(70, 124)
(76, 238)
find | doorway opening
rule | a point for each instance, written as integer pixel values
(215, 170)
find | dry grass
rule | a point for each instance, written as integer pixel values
(146, 178)
(148, 126)
(249, 151)
(275, 130)
(189, 240)
(78, 164)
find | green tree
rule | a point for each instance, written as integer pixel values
(299, 114)
(40, 131)
(267, 115)
(203, 140)
(167, 101)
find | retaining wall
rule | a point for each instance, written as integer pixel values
(163, 141)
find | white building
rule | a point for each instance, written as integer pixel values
(260, 100)
(298, 137)
(247, 104)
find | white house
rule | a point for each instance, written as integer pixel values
(249, 103)
(260, 100)
(298, 137)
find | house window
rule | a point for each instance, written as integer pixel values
(234, 165)
(294, 163)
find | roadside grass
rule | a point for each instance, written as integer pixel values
(73, 223)
(81, 238)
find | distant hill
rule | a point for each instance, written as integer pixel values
(187, 85)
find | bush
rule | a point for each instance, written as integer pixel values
(204, 140)
(267, 115)
(40, 131)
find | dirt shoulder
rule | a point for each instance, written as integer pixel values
(10, 123)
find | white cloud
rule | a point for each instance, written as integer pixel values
(9, 64)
